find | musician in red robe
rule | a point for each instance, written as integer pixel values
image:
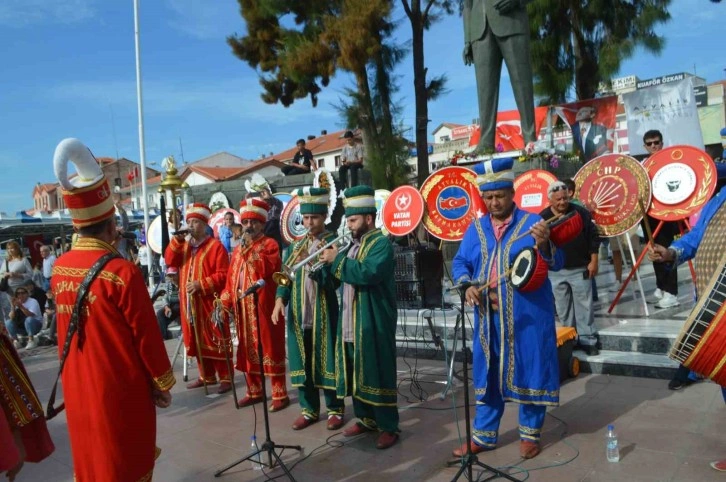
(24, 435)
(202, 262)
(117, 368)
(254, 260)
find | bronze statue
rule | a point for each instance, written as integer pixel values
(496, 30)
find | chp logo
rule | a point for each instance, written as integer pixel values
(447, 194)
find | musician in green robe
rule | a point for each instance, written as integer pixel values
(366, 345)
(312, 316)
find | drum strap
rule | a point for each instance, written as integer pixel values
(710, 251)
(75, 325)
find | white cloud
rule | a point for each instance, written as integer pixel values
(237, 98)
(21, 13)
(205, 20)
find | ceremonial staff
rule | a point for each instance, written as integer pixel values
(193, 322)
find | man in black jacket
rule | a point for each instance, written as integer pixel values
(572, 285)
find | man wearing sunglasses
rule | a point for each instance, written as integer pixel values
(666, 279)
(25, 319)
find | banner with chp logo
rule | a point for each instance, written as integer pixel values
(670, 108)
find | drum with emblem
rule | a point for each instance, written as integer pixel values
(612, 187)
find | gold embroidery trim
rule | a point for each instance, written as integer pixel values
(81, 273)
(165, 381)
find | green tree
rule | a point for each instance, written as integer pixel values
(421, 14)
(581, 44)
(298, 46)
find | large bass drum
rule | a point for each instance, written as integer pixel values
(701, 345)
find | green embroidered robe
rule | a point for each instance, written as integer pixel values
(374, 322)
(325, 319)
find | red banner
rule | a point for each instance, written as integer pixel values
(34, 243)
(594, 121)
(509, 130)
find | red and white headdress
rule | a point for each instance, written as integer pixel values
(198, 211)
(88, 195)
(253, 208)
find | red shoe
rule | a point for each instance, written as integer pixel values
(386, 440)
(199, 384)
(335, 422)
(529, 450)
(356, 429)
(224, 387)
(475, 449)
(278, 405)
(719, 465)
(303, 422)
(247, 401)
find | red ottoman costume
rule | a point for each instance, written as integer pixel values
(257, 261)
(117, 358)
(208, 264)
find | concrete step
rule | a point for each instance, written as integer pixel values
(650, 336)
(632, 364)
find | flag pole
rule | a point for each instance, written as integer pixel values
(142, 147)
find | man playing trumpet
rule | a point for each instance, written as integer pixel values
(312, 318)
(254, 262)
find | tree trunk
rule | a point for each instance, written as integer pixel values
(420, 95)
(366, 119)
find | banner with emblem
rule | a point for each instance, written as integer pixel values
(669, 108)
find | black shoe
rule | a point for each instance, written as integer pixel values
(676, 384)
(590, 350)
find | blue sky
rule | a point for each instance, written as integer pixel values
(69, 71)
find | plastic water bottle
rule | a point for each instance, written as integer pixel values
(256, 460)
(613, 452)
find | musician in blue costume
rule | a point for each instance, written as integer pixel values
(515, 347)
(703, 243)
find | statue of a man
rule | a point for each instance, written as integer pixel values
(496, 30)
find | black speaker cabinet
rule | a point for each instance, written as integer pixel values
(418, 274)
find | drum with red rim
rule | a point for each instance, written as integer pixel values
(529, 270)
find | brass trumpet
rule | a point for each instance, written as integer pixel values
(287, 275)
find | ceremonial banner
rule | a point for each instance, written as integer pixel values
(593, 125)
(34, 243)
(669, 108)
(509, 130)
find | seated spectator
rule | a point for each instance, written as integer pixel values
(6, 306)
(36, 292)
(302, 162)
(351, 159)
(49, 334)
(25, 319)
(170, 312)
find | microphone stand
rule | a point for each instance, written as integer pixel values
(268, 446)
(469, 460)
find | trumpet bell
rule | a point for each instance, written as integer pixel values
(281, 279)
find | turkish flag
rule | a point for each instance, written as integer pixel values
(34, 243)
(477, 204)
(508, 136)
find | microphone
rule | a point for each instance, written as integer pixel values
(258, 284)
(467, 284)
